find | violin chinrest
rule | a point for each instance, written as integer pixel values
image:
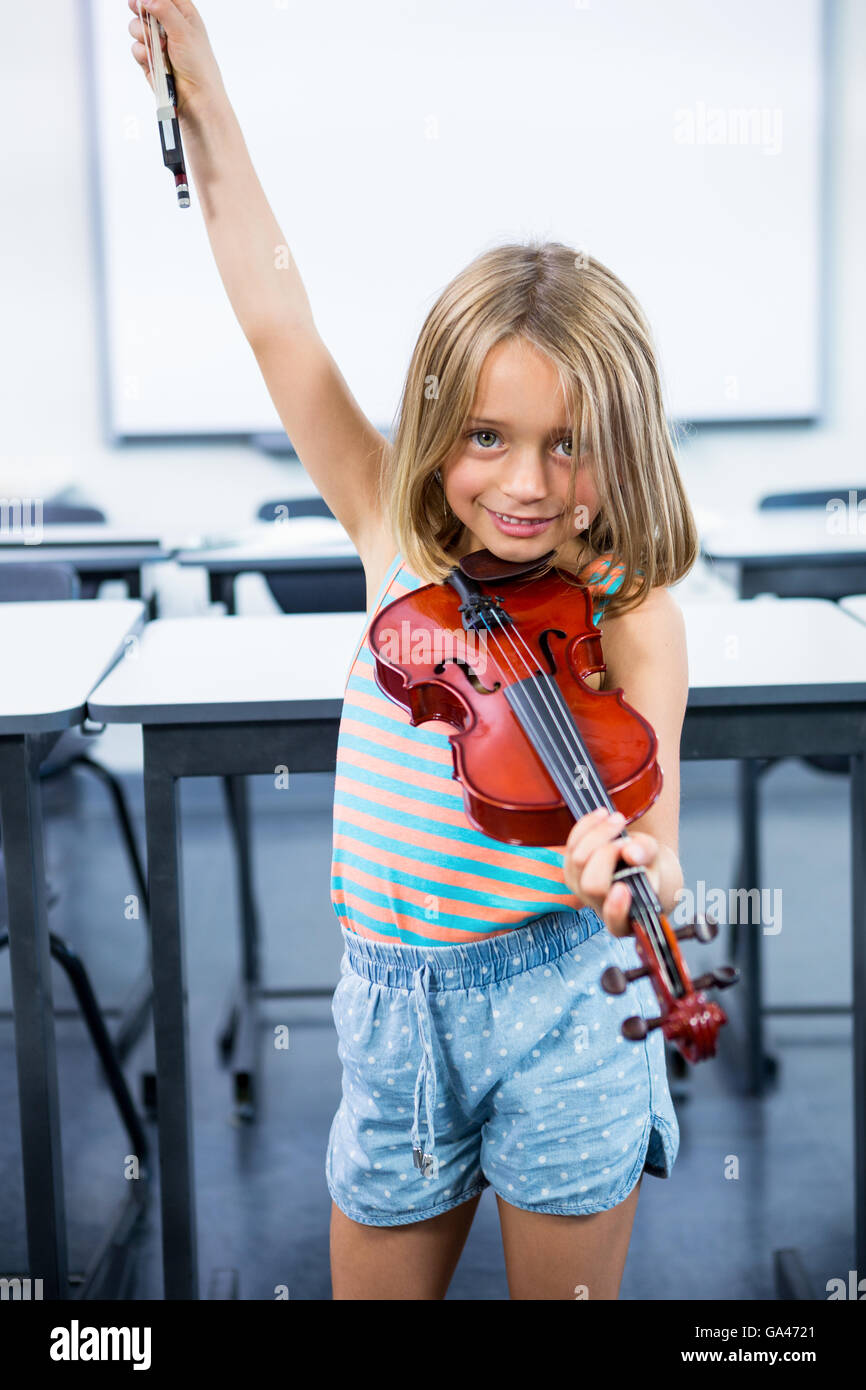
(486, 567)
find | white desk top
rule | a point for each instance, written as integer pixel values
(83, 557)
(54, 653)
(773, 651)
(202, 670)
(268, 544)
(764, 651)
(856, 606)
(781, 535)
(90, 534)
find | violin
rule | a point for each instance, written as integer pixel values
(502, 653)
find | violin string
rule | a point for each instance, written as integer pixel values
(644, 905)
(568, 732)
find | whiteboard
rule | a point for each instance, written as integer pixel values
(678, 142)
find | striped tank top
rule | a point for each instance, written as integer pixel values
(407, 865)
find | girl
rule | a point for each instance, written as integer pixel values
(478, 1048)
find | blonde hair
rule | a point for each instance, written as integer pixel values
(576, 311)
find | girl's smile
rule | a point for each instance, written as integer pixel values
(512, 526)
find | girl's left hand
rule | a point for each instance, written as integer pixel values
(591, 853)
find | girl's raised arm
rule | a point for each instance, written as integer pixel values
(338, 446)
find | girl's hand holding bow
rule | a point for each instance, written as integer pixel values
(592, 850)
(197, 79)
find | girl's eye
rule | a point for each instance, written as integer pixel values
(475, 434)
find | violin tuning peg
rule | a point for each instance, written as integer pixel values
(615, 981)
(702, 929)
(636, 1028)
(721, 978)
(725, 976)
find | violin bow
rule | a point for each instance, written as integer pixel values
(161, 75)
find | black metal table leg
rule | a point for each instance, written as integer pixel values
(174, 1111)
(748, 1009)
(237, 1035)
(858, 971)
(33, 1004)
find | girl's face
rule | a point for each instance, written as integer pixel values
(514, 460)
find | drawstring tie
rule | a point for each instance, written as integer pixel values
(426, 1160)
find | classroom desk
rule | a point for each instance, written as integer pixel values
(317, 554)
(54, 653)
(220, 696)
(318, 545)
(791, 553)
(96, 551)
(794, 552)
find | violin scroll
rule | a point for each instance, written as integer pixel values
(688, 1019)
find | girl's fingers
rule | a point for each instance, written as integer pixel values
(183, 8)
(595, 876)
(170, 15)
(139, 53)
(136, 29)
(592, 851)
(595, 834)
(590, 819)
(615, 909)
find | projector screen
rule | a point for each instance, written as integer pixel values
(677, 142)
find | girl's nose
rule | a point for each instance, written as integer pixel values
(525, 480)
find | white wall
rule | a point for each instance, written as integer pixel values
(659, 93)
(49, 365)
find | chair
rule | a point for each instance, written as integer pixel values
(817, 498)
(58, 513)
(69, 514)
(324, 590)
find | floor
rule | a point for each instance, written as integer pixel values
(753, 1176)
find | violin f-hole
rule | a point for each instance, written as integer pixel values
(544, 644)
(469, 674)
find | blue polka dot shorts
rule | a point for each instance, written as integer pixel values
(495, 1063)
